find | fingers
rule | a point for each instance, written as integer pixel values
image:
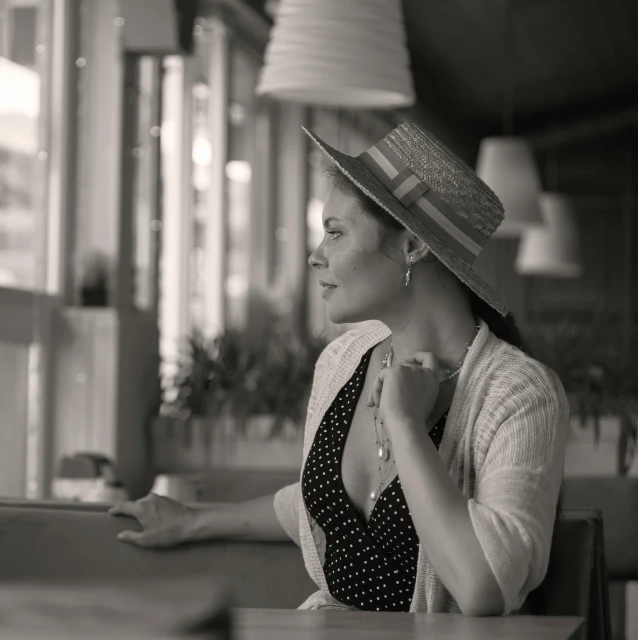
(148, 539)
(427, 360)
(133, 507)
(375, 393)
(139, 539)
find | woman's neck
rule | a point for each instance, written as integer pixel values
(447, 338)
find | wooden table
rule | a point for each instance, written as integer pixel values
(292, 624)
(286, 624)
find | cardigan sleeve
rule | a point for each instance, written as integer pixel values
(286, 504)
(287, 501)
(514, 503)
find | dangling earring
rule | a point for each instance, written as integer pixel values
(408, 275)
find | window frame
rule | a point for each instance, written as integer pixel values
(28, 314)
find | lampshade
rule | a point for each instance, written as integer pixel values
(552, 250)
(339, 53)
(507, 165)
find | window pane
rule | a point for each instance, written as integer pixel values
(202, 156)
(13, 418)
(23, 56)
(239, 169)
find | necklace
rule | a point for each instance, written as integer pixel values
(456, 367)
(382, 451)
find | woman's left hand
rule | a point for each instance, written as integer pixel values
(407, 390)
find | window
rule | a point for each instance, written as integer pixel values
(218, 231)
(24, 68)
(239, 184)
(30, 233)
(235, 238)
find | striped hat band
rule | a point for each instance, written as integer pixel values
(416, 196)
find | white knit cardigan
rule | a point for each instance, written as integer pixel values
(504, 445)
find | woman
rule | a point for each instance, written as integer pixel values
(434, 444)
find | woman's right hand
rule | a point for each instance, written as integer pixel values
(165, 522)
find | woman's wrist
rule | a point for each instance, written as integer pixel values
(251, 520)
(214, 522)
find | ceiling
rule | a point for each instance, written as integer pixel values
(572, 63)
(565, 58)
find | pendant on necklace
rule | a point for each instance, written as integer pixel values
(383, 453)
(373, 496)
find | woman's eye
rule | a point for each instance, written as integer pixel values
(332, 233)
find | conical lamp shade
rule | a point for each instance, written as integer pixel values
(554, 249)
(507, 166)
(339, 53)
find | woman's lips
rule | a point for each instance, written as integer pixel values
(327, 291)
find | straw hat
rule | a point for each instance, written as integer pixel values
(431, 192)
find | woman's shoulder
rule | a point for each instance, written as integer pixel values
(343, 351)
(508, 374)
(354, 342)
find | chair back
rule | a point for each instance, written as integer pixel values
(576, 581)
(617, 499)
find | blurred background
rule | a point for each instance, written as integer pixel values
(159, 323)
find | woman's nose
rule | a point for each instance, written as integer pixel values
(315, 260)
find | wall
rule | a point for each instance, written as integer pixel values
(598, 175)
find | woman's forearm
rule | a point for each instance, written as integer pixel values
(250, 520)
(442, 521)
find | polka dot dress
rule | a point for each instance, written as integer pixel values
(369, 566)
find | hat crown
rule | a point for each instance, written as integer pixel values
(452, 179)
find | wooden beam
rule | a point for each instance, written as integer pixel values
(62, 192)
(627, 212)
(292, 189)
(239, 15)
(216, 226)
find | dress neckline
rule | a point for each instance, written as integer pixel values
(367, 355)
(390, 484)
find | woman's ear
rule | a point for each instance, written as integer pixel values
(418, 249)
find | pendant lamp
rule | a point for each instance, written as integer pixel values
(507, 165)
(338, 53)
(552, 250)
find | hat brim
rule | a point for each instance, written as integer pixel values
(359, 174)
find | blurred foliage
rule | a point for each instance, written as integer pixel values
(595, 373)
(240, 374)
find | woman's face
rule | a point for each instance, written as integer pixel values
(368, 275)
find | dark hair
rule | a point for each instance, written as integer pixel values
(504, 328)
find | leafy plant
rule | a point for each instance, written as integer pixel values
(590, 366)
(240, 374)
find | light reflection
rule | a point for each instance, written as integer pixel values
(202, 151)
(314, 222)
(239, 171)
